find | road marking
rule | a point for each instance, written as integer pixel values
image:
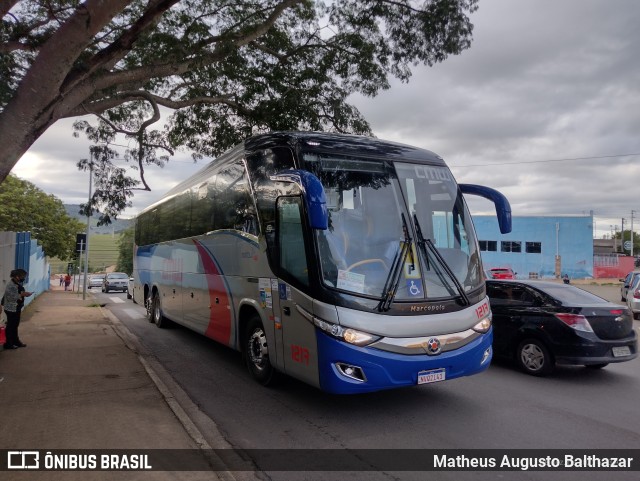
(133, 313)
(117, 300)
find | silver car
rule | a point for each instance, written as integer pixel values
(96, 280)
(633, 298)
(627, 282)
(116, 281)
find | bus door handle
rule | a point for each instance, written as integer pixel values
(286, 311)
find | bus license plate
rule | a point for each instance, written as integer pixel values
(435, 375)
(621, 351)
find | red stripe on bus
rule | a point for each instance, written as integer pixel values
(219, 327)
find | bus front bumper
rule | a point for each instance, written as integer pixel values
(348, 369)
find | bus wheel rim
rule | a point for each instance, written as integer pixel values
(258, 351)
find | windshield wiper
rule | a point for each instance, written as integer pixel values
(393, 279)
(428, 244)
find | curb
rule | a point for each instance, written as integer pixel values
(185, 410)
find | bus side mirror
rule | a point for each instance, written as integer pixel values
(312, 193)
(503, 208)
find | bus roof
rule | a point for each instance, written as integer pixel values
(344, 144)
(321, 142)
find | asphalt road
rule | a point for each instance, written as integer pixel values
(575, 408)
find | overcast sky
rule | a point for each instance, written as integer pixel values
(544, 106)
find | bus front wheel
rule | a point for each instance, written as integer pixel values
(256, 352)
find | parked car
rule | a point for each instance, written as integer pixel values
(541, 324)
(96, 280)
(130, 289)
(633, 298)
(627, 282)
(502, 273)
(115, 281)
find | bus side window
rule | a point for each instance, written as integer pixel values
(290, 239)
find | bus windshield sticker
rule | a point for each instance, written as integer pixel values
(350, 281)
(411, 269)
(414, 287)
(333, 198)
(265, 293)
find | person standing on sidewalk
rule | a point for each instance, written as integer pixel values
(14, 296)
(67, 281)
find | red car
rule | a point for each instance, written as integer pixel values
(502, 273)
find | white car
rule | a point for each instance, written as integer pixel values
(96, 280)
(116, 281)
(130, 289)
(633, 298)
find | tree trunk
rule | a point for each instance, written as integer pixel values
(38, 101)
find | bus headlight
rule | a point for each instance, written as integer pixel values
(484, 325)
(352, 336)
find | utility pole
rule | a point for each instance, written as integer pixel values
(632, 212)
(86, 255)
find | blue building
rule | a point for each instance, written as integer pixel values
(539, 247)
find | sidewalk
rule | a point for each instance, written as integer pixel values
(79, 385)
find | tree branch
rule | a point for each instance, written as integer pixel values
(121, 46)
(7, 5)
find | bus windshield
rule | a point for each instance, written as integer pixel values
(366, 200)
(441, 214)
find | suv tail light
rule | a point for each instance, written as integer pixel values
(636, 294)
(575, 321)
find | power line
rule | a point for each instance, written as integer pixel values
(549, 160)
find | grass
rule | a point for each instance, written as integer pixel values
(103, 252)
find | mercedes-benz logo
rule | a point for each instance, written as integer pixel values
(433, 346)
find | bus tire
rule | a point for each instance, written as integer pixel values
(148, 304)
(156, 311)
(534, 358)
(256, 352)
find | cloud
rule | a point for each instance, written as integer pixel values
(543, 80)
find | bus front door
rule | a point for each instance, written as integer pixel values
(299, 345)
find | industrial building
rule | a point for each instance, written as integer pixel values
(539, 247)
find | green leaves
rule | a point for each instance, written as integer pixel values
(24, 207)
(227, 69)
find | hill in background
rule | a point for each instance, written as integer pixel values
(116, 226)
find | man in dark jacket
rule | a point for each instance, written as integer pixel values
(13, 299)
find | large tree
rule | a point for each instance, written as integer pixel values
(24, 207)
(226, 68)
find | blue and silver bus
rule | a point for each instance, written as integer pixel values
(347, 262)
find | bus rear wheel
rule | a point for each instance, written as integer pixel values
(156, 310)
(148, 304)
(256, 352)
